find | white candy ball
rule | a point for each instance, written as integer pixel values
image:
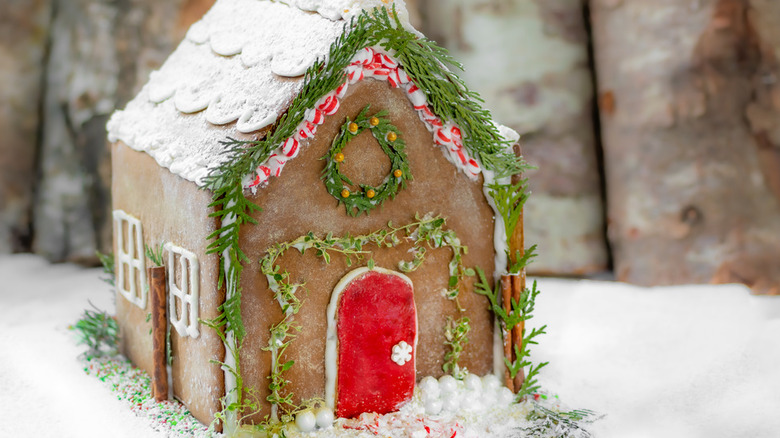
(450, 402)
(473, 383)
(447, 384)
(306, 421)
(490, 383)
(324, 418)
(433, 407)
(505, 396)
(429, 396)
(430, 385)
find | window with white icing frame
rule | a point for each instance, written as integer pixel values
(182, 271)
(129, 260)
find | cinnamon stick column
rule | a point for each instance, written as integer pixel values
(516, 250)
(506, 295)
(159, 326)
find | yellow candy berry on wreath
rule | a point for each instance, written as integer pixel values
(398, 173)
(345, 193)
(370, 193)
(392, 136)
(373, 121)
(339, 157)
(353, 127)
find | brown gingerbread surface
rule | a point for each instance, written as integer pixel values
(297, 203)
(174, 210)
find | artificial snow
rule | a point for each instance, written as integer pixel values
(687, 361)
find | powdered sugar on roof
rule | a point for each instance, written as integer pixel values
(239, 66)
(347, 9)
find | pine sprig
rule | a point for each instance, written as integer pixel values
(99, 331)
(521, 310)
(523, 260)
(566, 424)
(155, 255)
(426, 63)
(107, 261)
(509, 200)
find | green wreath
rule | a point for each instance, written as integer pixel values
(368, 197)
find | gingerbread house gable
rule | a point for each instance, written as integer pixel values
(325, 143)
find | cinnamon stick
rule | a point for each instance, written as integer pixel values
(518, 285)
(159, 326)
(517, 250)
(506, 295)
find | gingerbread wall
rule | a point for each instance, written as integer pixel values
(171, 210)
(297, 203)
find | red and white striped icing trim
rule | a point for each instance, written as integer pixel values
(368, 63)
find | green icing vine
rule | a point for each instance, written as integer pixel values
(427, 231)
(369, 197)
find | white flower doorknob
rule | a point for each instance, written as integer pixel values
(402, 353)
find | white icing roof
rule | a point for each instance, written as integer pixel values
(242, 62)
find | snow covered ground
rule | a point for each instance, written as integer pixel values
(690, 361)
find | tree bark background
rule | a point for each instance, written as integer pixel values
(101, 52)
(689, 104)
(529, 60)
(23, 38)
(689, 110)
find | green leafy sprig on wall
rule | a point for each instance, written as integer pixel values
(455, 338)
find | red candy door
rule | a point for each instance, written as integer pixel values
(376, 323)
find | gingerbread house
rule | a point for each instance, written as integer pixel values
(316, 179)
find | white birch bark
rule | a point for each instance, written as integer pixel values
(23, 37)
(101, 53)
(529, 61)
(690, 125)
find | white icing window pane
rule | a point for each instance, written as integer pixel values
(182, 271)
(129, 259)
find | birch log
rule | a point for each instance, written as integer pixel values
(23, 36)
(689, 107)
(101, 52)
(529, 61)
